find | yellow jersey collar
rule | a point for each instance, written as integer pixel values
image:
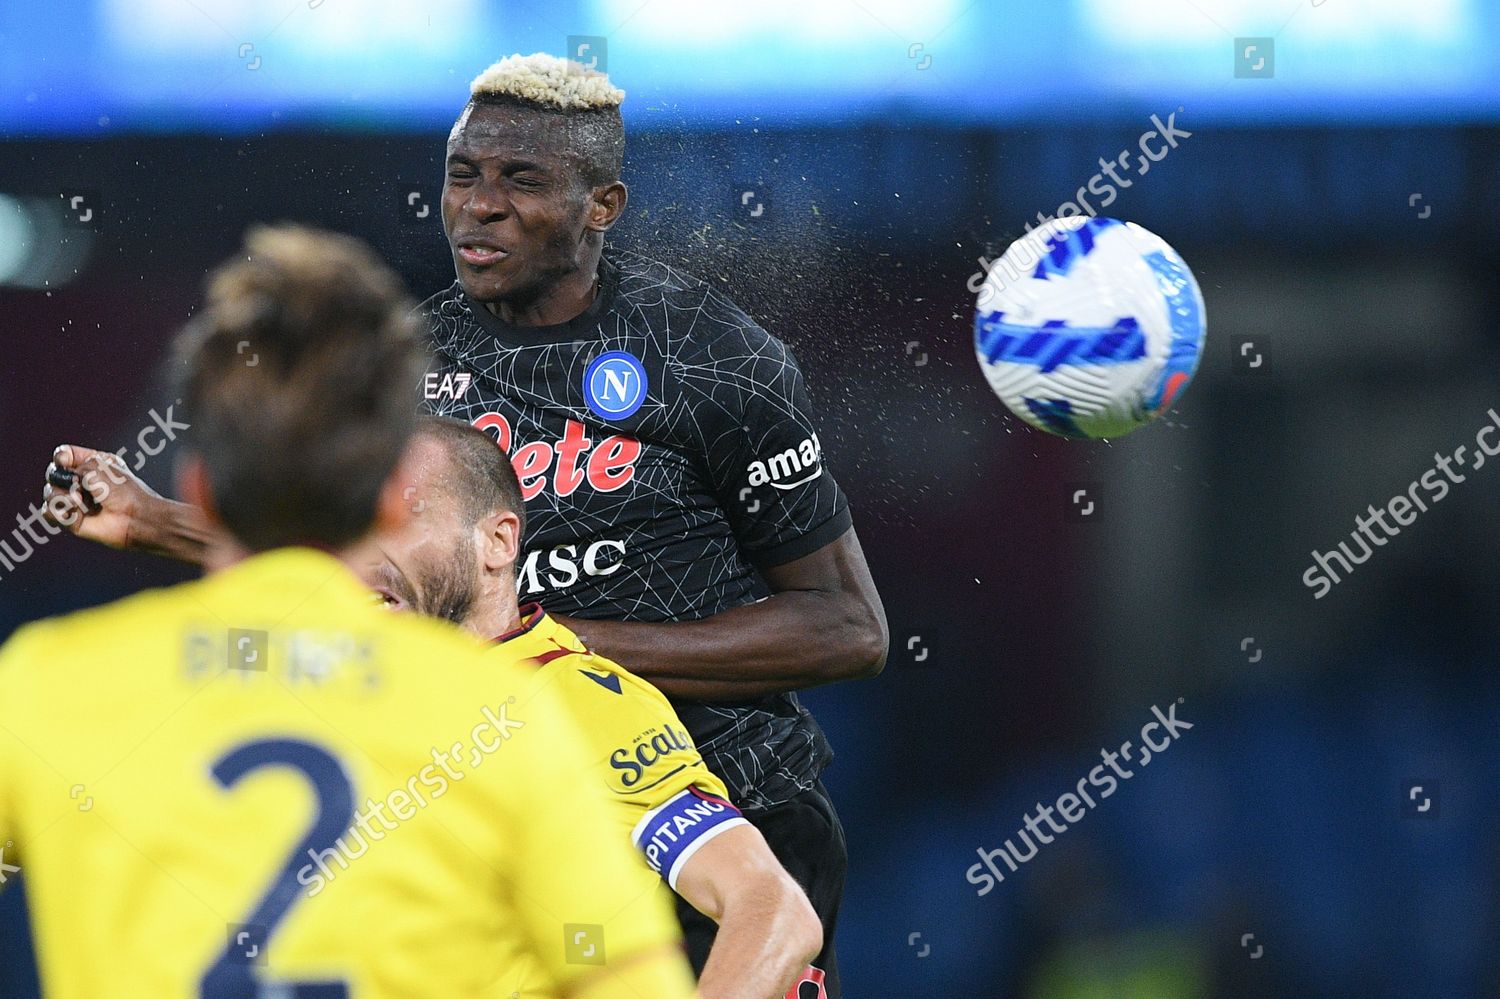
(539, 637)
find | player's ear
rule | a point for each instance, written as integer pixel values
(194, 487)
(502, 542)
(606, 205)
(398, 500)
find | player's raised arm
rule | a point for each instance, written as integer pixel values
(824, 621)
(95, 495)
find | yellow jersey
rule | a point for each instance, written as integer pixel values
(664, 797)
(263, 782)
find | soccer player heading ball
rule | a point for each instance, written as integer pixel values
(682, 520)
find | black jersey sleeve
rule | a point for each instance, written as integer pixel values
(765, 458)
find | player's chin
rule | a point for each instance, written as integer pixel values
(483, 284)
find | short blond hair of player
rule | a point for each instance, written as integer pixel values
(548, 80)
(456, 559)
(291, 791)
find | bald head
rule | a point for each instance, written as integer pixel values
(471, 469)
(456, 557)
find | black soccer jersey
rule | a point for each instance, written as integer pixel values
(666, 451)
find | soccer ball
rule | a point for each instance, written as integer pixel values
(1089, 327)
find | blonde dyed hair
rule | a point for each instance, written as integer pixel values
(547, 80)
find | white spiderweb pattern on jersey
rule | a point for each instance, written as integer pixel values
(661, 516)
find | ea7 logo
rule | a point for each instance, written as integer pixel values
(448, 386)
(790, 468)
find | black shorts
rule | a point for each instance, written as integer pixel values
(807, 838)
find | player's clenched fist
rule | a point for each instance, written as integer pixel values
(96, 496)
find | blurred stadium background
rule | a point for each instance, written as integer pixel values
(840, 165)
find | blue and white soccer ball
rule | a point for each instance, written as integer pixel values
(1089, 327)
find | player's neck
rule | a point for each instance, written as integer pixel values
(492, 618)
(223, 553)
(568, 299)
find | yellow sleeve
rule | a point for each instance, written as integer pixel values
(19, 649)
(593, 912)
(668, 801)
(640, 747)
